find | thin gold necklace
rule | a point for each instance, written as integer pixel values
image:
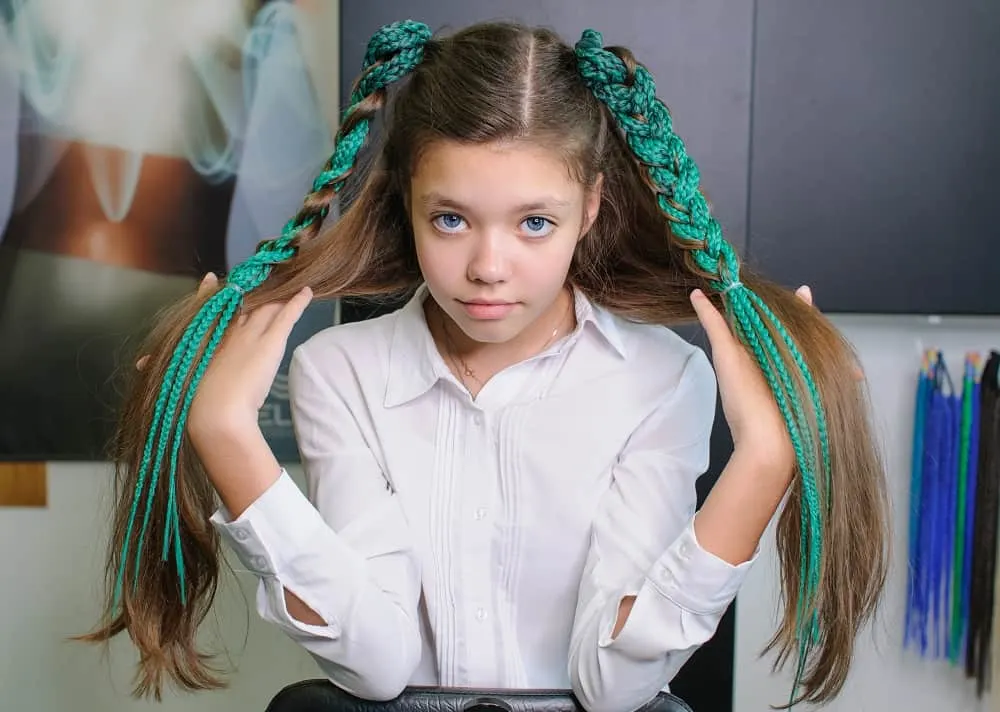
(460, 363)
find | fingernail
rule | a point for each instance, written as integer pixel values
(697, 294)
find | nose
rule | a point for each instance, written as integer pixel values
(489, 262)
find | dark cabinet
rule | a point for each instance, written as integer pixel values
(874, 153)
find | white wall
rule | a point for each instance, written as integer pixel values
(50, 564)
(884, 677)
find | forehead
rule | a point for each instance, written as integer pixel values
(513, 171)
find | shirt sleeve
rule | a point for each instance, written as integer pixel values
(643, 544)
(346, 554)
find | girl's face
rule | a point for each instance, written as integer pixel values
(495, 227)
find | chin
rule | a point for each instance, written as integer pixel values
(490, 332)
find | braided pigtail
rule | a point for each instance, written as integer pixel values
(391, 54)
(820, 627)
(171, 499)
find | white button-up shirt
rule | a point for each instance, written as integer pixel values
(488, 542)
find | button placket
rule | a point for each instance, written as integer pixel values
(477, 544)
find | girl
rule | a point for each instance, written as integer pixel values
(501, 473)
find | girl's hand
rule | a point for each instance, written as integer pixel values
(240, 374)
(755, 422)
(237, 380)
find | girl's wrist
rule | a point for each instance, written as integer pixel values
(223, 428)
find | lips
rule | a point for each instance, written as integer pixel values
(487, 309)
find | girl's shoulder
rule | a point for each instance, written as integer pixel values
(652, 346)
(654, 369)
(358, 357)
(365, 341)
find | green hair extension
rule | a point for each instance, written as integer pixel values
(647, 127)
(393, 52)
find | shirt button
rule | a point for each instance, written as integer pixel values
(259, 562)
(481, 614)
(478, 419)
(480, 514)
(241, 534)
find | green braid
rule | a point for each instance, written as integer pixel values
(647, 127)
(393, 52)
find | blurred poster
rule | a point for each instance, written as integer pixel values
(142, 143)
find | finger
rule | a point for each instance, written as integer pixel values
(282, 324)
(259, 319)
(805, 294)
(720, 336)
(208, 284)
(141, 363)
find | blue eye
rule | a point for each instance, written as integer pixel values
(448, 222)
(538, 226)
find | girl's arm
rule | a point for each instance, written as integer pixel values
(734, 516)
(653, 590)
(340, 578)
(642, 613)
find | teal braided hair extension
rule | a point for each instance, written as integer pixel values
(630, 96)
(392, 53)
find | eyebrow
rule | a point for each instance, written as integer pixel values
(546, 202)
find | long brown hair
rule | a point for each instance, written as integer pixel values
(506, 82)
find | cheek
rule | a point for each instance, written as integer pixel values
(569, 242)
(420, 246)
(548, 268)
(437, 263)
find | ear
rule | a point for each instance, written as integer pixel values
(592, 204)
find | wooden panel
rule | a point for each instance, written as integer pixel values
(23, 484)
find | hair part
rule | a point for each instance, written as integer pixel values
(653, 241)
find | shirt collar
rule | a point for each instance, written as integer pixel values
(415, 365)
